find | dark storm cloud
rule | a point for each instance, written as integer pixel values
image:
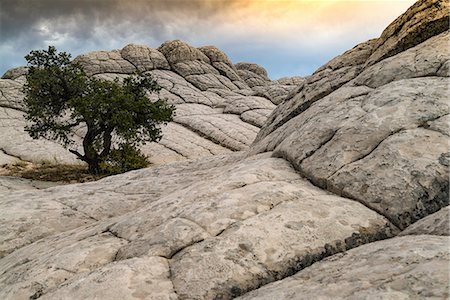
(80, 17)
(287, 37)
(85, 25)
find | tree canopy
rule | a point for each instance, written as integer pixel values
(60, 98)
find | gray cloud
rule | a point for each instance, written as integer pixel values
(19, 17)
(85, 25)
(79, 26)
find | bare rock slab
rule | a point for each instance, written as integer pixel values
(411, 267)
(273, 245)
(143, 278)
(435, 224)
(222, 226)
(384, 143)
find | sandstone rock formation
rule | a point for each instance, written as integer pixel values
(435, 224)
(399, 268)
(381, 138)
(8, 184)
(217, 111)
(343, 194)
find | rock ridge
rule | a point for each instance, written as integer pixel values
(217, 111)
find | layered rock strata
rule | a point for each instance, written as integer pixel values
(217, 112)
(343, 194)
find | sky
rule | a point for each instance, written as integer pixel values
(287, 37)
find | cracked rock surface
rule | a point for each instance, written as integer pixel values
(398, 268)
(342, 195)
(435, 224)
(217, 112)
(192, 217)
(381, 138)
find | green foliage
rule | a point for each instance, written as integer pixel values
(122, 159)
(60, 97)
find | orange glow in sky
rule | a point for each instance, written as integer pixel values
(288, 37)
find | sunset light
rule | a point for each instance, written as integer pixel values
(286, 36)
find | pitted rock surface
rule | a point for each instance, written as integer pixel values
(410, 267)
(138, 278)
(435, 224)
(356, 154)
(221, 225)
(380, 139)
(425, 19)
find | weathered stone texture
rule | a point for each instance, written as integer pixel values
(227, 224)
(380, 139)
(202, 79)
(105, 62)
(435, 224)
(413, 267)
(354, 155)
(423, 20)
(144, 58)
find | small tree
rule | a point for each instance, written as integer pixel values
(60, 97)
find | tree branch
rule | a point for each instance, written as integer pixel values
(79, 156)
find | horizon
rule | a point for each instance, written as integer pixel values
(286, 37)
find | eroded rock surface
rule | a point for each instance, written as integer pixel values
(223, 226)
(380, 139)
(217, 111)
(9, 184)
(412, 267)
(16, 145)
(355, 154)
(435, 224)
(425, 19)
